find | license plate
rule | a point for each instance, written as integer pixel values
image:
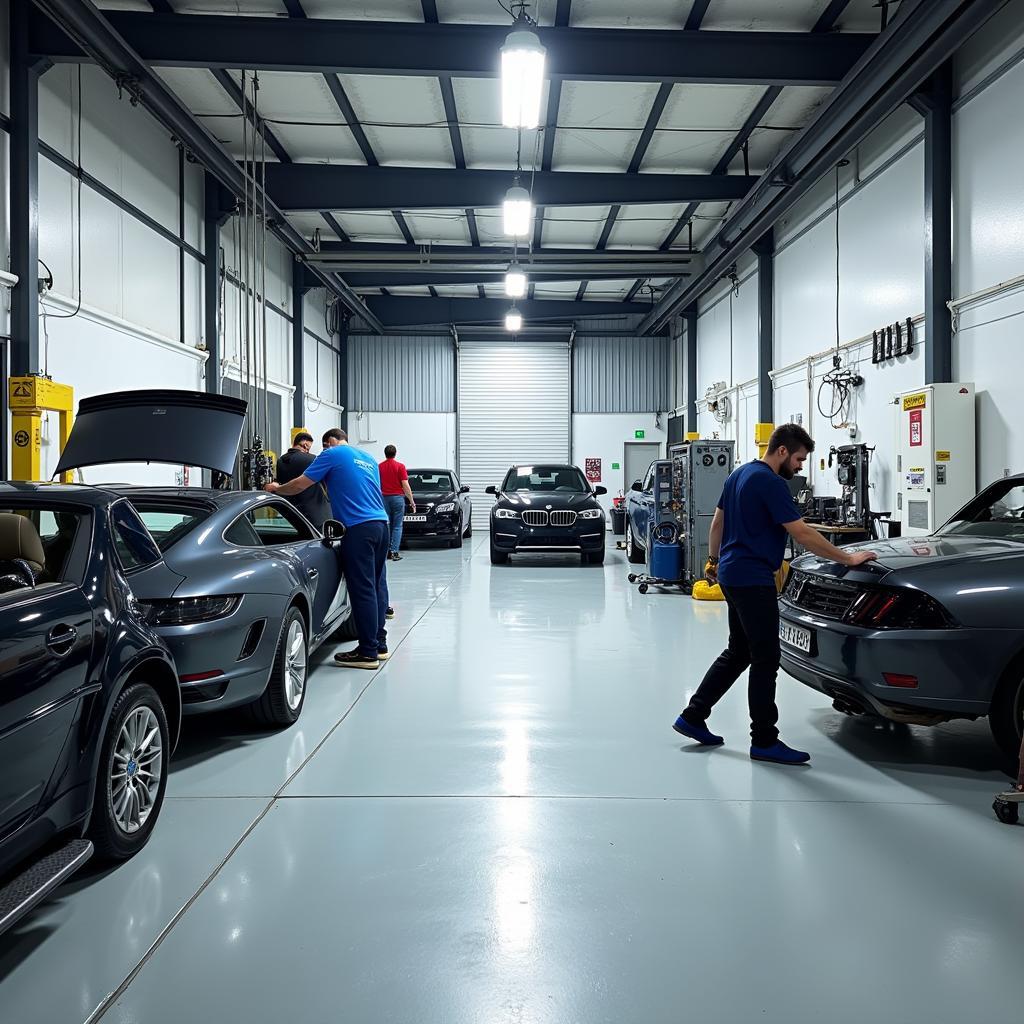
(795, 636)
(415, 519)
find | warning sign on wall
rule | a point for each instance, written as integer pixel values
(916, 437)
(593, 470)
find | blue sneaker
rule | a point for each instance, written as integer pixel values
(779, 753)
(700, 733)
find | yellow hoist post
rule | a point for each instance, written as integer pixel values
(296, 431)
(30, 397)
(762, 435)
(693, 435)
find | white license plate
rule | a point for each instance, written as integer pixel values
(415, 519)
(795, 636)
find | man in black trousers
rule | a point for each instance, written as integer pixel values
(747, 545)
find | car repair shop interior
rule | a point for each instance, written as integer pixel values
(576, 260)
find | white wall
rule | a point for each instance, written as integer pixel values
(425, 439)
(603, 436)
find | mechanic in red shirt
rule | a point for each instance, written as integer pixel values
(394, 483)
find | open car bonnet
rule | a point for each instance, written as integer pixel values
(184, 428)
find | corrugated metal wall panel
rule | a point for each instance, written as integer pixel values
(621, 374)
(513, 408)
(401, 373)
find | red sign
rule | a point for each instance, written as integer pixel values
(593, 467)
(916, 439)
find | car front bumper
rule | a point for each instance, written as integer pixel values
(511, 536)
(957, 669)
(446, 526)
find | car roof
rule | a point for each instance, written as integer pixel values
(72, 494)
(192, 495)
(546, 465)
(421, 469)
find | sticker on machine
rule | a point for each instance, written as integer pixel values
(942, 456)
(916, 428)
(915, 478)
(917, 401)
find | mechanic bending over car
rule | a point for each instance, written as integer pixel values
(353, 484)
(747, 545)
(312, 502)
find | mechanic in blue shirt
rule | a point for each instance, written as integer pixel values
(747, 545)
(353, 486)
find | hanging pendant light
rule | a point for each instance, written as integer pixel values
(515, 281)
(518, 211)
(522, 76)
(513, 320)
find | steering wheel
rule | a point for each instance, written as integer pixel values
(17, 575)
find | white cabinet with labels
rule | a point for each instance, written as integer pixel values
(935, 463)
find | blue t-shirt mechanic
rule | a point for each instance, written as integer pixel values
(352, 480)
(756, 503)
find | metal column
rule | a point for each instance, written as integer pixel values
(24, 77)
(343, 368)
(214, 219)
(690, 319)
(299, 289)
(935, 102)
(765, 250)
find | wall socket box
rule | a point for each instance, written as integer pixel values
(797, 418)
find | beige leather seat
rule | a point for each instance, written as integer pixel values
(20, 539)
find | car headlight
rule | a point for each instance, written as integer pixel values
(447, 507)
(186, 611)
(506, 513)
(591, 513)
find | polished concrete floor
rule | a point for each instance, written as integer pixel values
(500, 827)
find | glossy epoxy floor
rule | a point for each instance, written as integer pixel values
(500, 827)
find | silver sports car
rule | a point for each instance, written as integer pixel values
(246, 587)
(932, 631)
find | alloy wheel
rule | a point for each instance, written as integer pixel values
(136, 769)
(294, 664)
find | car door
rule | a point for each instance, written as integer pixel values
(46, 637)
(277, 524)
(641, 505)
(465, 502)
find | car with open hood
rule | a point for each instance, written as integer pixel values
(547, 507)
(246, 587)
(931, 631)
(444, 511)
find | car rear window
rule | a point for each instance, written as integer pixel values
(997, 512)
(167, 524)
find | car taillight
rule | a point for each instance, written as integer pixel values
(186, 611)
(897, 608)
(899, 679)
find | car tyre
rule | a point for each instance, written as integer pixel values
(469, 527)
(282, 700)
(633, 552)
(498, 557)
(132, 778)
(1006, 716)
(456, 541)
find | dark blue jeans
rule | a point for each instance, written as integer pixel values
(395, 506)
(364, 557)
(753, 643)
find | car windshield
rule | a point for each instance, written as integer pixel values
(997, 512)
(168, 523)
(430, 480)
(545, 478)
(57, 528)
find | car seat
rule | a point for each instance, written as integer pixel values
(21, 552)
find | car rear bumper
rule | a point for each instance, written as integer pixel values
(957, 670)
(507, 535)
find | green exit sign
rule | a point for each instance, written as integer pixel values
(638, 434)
(615, 465)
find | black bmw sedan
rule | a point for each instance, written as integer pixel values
(547, 508)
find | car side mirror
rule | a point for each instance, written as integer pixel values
(491, 490)
(637, 486)
(464, 489)
(599, 490)
(333, 533)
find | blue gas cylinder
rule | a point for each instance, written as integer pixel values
(666, 561)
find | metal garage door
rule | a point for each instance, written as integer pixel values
(513, 407)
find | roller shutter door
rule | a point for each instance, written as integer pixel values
(513, 408)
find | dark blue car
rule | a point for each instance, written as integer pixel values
(640, 516)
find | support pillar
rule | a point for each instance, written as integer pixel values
(935, 103)
(765, 251)
(690, 319)
(346, 319)
(25, 72)
(214, 219)
(299, 289)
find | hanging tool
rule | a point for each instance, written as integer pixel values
(910, 337)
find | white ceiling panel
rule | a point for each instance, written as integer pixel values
(458, 291)
(250, 8)
(199, 91)
(494, 291)
(644, 226)
(574, 227)
(599, 124)
(557, 290)
(793, 109)
(865, 16)
(421, 291)
(389, 106)
(370, 227)
(485, 141)
(489, 227)
(365, 10)
(697, 126)
(125, 5)
(443, 226)
(635, 14)
(307, 224)
(305, 144)
(764, 15)
(609, 291)
(706, 222)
